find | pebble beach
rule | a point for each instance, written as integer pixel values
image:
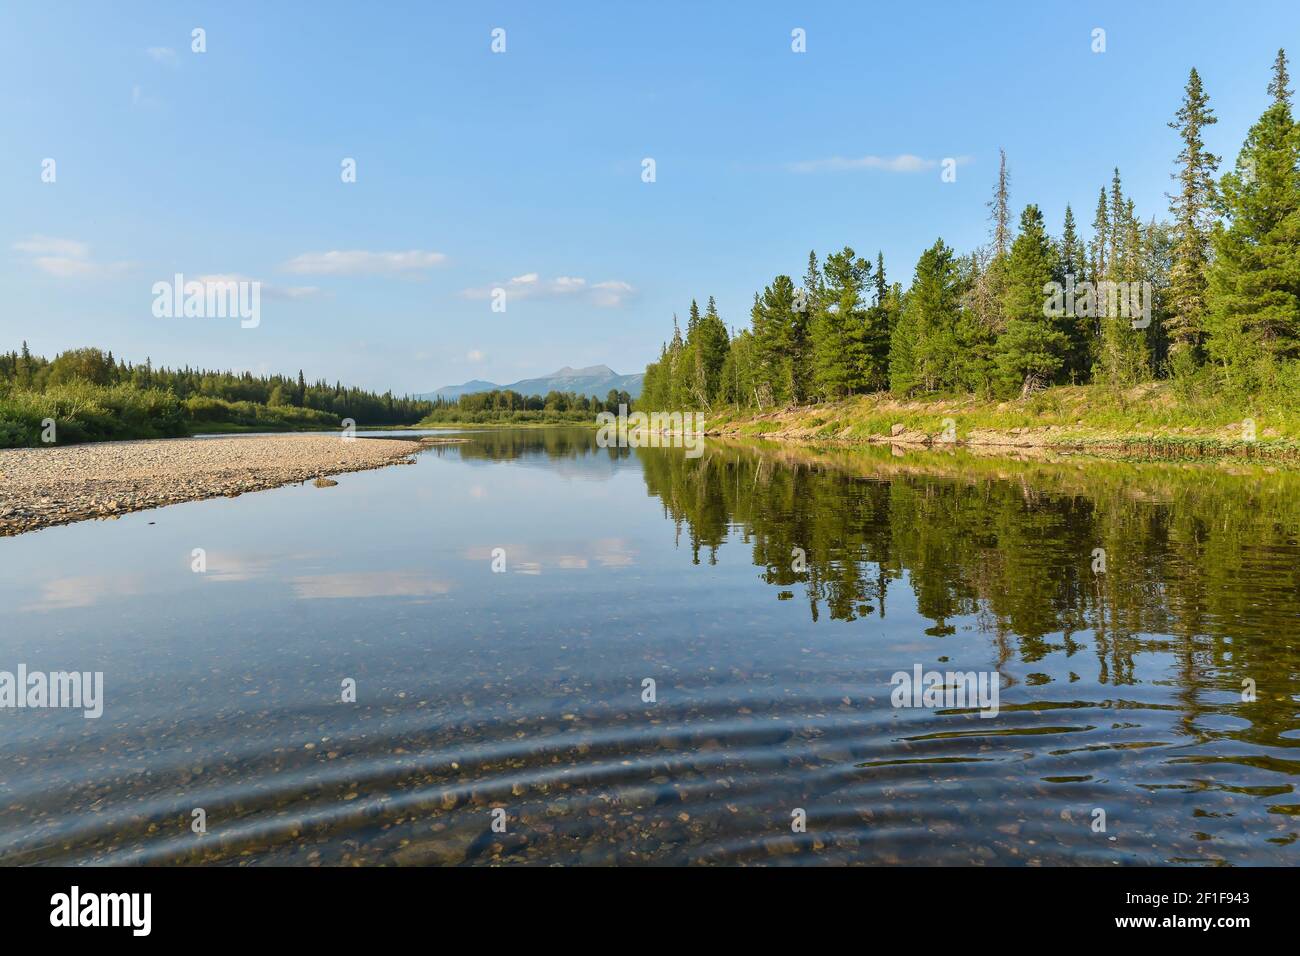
(42, 487)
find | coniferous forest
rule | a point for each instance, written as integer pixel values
(1220, 269)
(93, 396)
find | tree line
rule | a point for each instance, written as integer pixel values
(508, 400)
(207, 392)
(1218, 282)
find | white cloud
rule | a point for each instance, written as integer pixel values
(903, 163)
(268, 290)
(360, 262)
(609, 293)
(65, 258)
(475, 356)
(50, 246)
(162, 54)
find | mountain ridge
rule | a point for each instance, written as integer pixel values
(592, 380)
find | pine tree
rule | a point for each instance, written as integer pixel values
(1122, 354)
(1193, 210)
(1117, 207)
(801, 361)
(999, 208)
(1100, 238)
(924, 352)
(1033, 349)
(677, 391)
(24, 367)
(711, 334)
(775, 320)
(1254, 283)
(1072, 268)
(849, 353)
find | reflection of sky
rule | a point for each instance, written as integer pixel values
(397, 533)
(387, 579)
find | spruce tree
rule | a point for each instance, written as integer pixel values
(1254, 314)
(848, 352)
(1033, 349)
(1072, 268)
(999, 208)
(924, 352)
(1192, 207)
(711, 334)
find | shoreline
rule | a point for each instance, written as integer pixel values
(1077, 420)
(65, 484)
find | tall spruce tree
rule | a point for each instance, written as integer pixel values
(849, 353)
(1254, 288)
(1000, 210)
(1032, 351)
(924, 353)
(1072, 269)
(1192, 207)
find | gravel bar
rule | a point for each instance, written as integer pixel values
(41, 487)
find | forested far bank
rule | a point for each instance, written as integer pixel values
(1207, 296)
(506, 406)
(92, 396)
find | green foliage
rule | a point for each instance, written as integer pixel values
(1226, 292)
(93, 397)
(83, 411)
(1254, 284)
(1033, 349)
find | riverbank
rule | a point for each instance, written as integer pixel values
(42, 487)
(1145, 421)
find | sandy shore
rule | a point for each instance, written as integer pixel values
(40, 487)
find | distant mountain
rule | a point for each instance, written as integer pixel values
(595, 380)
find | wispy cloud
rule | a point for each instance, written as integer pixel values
(65, 258)
(903, 163)
(162, 54)
(608, 293)
(269, 290)
(475, 356)
(358, 262)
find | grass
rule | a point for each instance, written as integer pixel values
(1182, 420)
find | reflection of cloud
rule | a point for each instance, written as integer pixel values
(567, 556)
(614, 553)
(84, 591)
(231, 567)
(364, 584)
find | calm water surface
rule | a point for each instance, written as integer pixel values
(1121, 691)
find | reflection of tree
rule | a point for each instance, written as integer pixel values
(507, 444)
(1200, 563)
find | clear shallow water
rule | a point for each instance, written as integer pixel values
(523, 690)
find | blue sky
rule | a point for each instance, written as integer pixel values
(475, 169)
